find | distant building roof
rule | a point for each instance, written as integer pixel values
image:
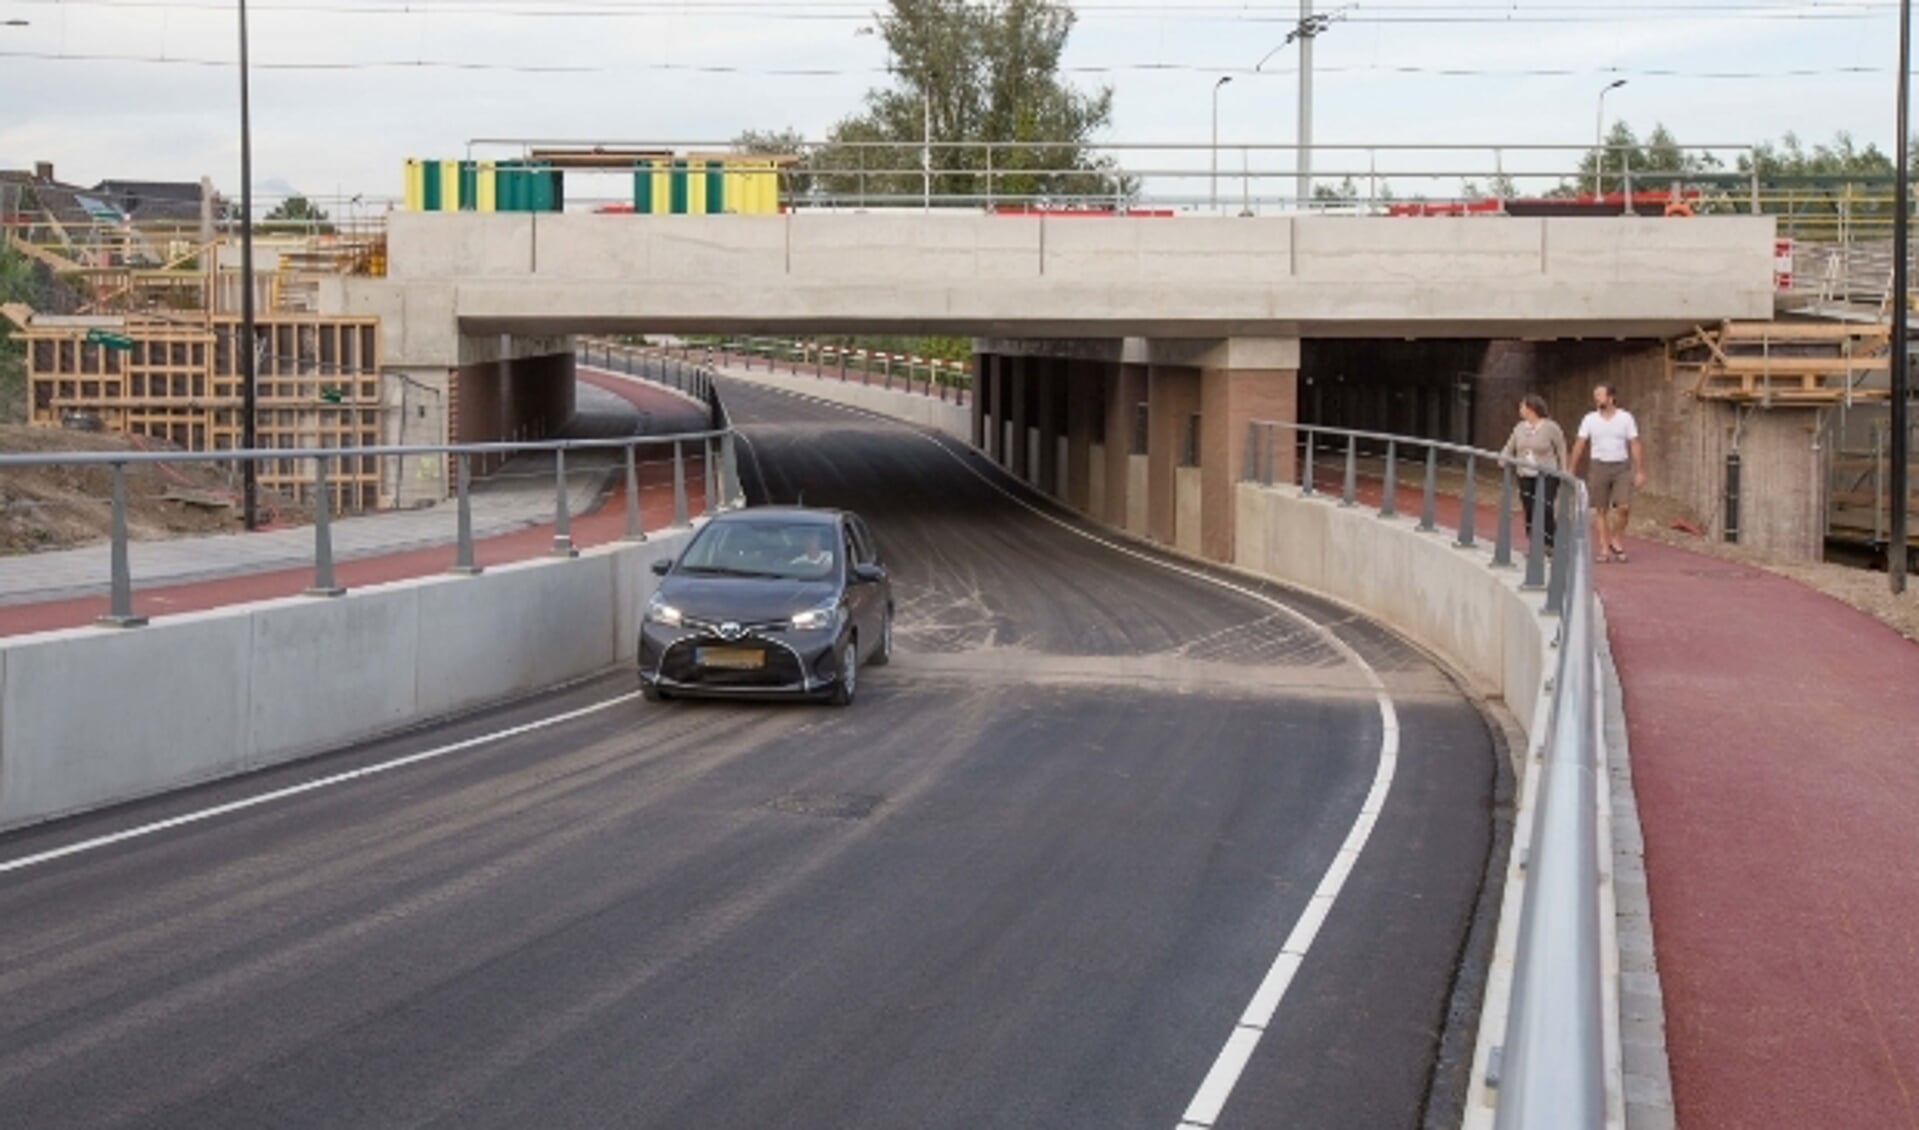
(145, 200)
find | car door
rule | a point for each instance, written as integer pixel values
(859, 594)
(879, 593)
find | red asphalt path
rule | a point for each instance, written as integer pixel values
(606, 523)
(1775, 755)
(1775, 761)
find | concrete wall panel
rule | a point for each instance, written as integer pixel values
(326, 672)
(178, 713)
(207, 695)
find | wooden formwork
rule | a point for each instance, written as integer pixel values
(1787, 363)
(318, 384)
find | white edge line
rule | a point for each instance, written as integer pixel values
(244, 803)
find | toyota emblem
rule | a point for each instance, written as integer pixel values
(729, 631)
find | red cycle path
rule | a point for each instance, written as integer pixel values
(1775, 760)
(606, 523)
(1775, 753)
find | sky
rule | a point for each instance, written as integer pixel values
(344, 90)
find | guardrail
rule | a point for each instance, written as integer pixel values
(718, 462)
(1250, 177)
(1551, 1065)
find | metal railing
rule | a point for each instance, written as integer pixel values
(922, 376)
(714, 449)
(1247, 177)
(1552, 1060)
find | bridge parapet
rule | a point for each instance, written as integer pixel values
(1037, 275)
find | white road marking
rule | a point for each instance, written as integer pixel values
(203, 814)
(1204, 1110)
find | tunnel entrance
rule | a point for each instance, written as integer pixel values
(1428, 389)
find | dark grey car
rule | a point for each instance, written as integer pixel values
(769, 601)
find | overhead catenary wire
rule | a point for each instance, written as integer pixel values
(1462, 13)
(846, 72)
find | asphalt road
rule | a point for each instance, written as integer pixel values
(1031, 879)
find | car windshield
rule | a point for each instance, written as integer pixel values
(800, 551)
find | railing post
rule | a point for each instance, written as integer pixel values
(323, 583)
(679, 486)
(1561, 567)
(1468, 508)
(562, 521)
(708, 480)
(634, 530)
(1352, 472)
(1503, 539)
(463, 499)
(1389, 497)
(730, 463)
(1428, 500)
(120, 611)
(1536, 540)
(1306, 473)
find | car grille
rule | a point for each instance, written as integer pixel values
(780, 669)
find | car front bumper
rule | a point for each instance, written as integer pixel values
(796, 663)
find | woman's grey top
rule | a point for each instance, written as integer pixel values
(1537, 446)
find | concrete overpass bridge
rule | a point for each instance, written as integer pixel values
(1113, 350)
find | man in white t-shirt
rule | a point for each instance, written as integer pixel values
(1618, 465)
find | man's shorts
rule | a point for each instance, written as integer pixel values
(1610, 484)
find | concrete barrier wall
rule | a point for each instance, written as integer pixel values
(947, 416)
(1447, 599)
(206, 695)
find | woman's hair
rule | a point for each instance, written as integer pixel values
(1537, 403)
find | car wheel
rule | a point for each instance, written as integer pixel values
(848, 684)
(883, 654)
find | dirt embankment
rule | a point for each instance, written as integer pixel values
(45, 508)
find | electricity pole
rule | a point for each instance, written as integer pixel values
(1901, 389)
(1304, 189)
(244, 348)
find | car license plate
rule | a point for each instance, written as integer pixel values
(732, 658)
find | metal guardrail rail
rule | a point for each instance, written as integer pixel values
(1552, 1069)
(716, 447)
(1248, 176)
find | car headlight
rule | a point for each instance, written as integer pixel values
(814, 619)
(660, 612)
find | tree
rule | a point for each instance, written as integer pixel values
(1501, 187)
(1657, 164)
(967, 74)
(17, 284)
(296, 210)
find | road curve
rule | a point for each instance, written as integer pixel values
(1031, 879)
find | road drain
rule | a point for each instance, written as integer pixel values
(827, 806)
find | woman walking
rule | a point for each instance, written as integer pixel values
(1539, 448)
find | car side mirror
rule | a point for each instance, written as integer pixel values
(868, 574)
(663, 566)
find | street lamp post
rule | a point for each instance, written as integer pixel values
(249, 470)
(1223, 80)
(1897, 550)
(1599, 138)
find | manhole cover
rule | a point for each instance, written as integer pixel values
(1721, 574)
(827, 806)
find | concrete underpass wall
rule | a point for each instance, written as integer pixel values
(523, 398)
(947, 416)
(1782, 474)
(207, 695)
